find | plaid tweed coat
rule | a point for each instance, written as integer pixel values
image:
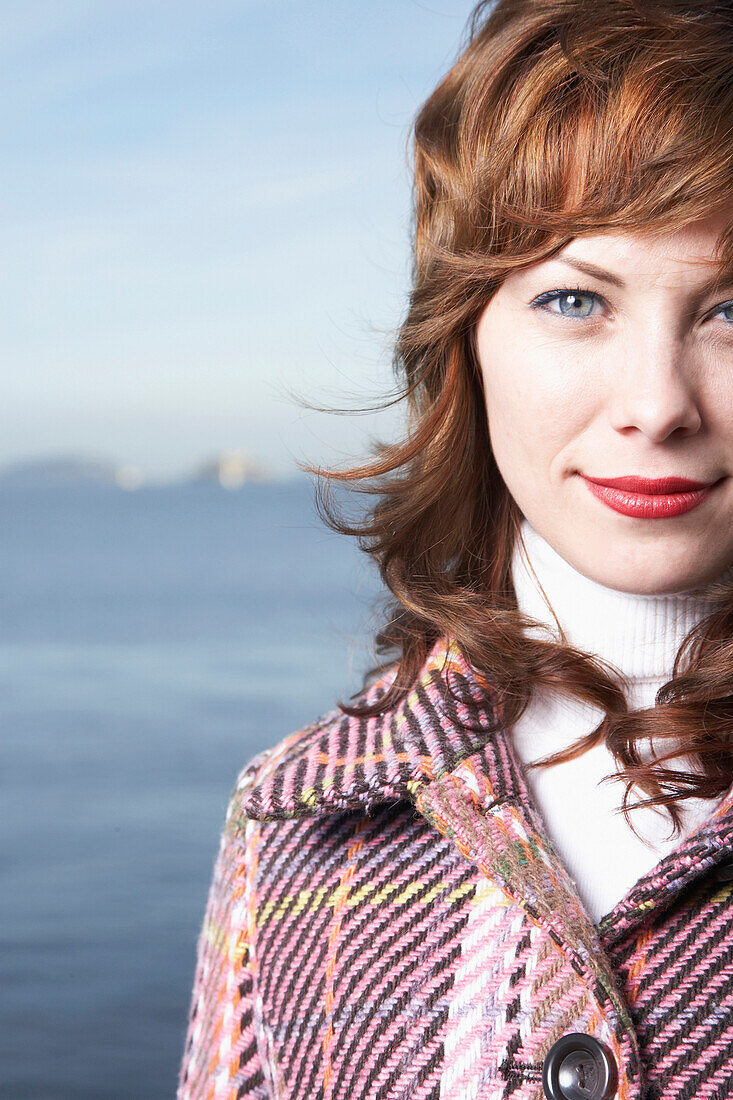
(389, 919)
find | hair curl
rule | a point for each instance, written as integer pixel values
(560, 117)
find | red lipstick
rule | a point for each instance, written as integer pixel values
(650, 498)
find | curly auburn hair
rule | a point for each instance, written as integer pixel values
(560, 117)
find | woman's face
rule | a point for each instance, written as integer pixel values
(622, 371)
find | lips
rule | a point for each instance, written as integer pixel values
(651, 486)
(650, 498)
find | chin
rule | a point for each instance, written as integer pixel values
(658, 579)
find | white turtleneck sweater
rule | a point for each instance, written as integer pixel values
(640, 635)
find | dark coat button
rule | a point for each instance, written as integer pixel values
(723, 872)
(578, 1067)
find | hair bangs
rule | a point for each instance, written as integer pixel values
(626, 135)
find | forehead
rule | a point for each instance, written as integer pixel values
(654, 249)
(697, 255)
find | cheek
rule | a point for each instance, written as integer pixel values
(540, 394)
(532, 409)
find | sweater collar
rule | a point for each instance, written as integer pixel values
(638, 634)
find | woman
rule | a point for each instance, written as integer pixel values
(439, 890)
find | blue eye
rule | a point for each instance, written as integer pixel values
(572, 302)
(576, 303)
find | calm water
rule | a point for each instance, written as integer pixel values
(150, 644)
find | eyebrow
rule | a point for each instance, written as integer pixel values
(591, 269)
(604, 276)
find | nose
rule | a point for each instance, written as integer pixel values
(654, 389)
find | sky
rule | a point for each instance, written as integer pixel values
(206, 218)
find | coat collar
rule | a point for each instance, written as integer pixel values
(341, 762)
